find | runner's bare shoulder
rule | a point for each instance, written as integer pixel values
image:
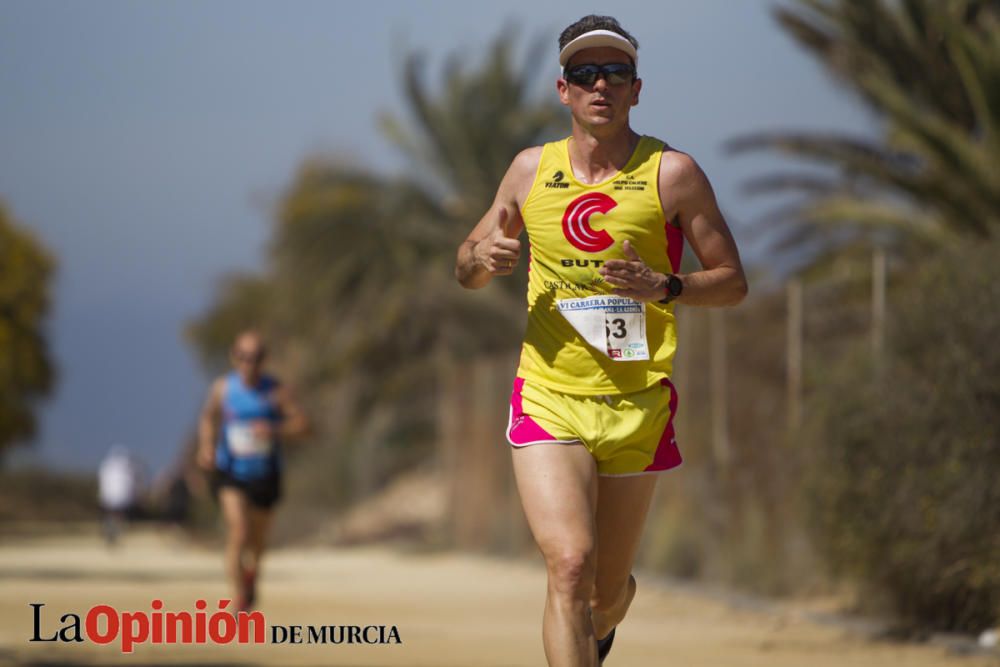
(530, 156)
(218, 389)
(681, 179)
(678, 168)
(522, 171)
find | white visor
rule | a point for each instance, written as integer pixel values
(596, 38)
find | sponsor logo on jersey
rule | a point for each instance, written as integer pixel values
(583, 263)
(630, 182)
(557, 181)
(576, 222)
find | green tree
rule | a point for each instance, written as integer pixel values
(26, 373)
(903, 468)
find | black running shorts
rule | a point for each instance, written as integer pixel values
(262, 493)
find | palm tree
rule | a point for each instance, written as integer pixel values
(359, 288)
(382, 249)
(930, 69)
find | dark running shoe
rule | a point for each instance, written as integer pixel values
(604, 646)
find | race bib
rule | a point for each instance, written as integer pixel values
(244, 442)
(615, 325)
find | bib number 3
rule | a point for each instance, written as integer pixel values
(614, 325)
(620, 331)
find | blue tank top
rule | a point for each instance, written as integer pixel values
(241, 453)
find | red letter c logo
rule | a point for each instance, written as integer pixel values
(576, 222)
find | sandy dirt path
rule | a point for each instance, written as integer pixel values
(450, 610)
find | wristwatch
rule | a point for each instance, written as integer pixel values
(674, 286)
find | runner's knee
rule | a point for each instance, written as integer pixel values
(571, 571)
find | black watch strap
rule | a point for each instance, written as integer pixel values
(674, 286)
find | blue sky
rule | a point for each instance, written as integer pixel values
(146, 142)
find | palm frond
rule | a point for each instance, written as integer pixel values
(932, 71)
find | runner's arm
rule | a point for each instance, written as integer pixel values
(208, 424)
(721, 282)
(294, 423)
(492, 248)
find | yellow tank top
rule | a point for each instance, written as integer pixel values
(572, 229)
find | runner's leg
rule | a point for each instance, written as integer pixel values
(260, 528)
(622, 504)
(558, 488)
(236, 512)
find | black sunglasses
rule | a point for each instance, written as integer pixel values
(614, 73)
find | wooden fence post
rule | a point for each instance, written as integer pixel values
(878, 309)
(793, 354)
(720, 395)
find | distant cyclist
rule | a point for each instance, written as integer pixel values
(606, 212)
(247, 417)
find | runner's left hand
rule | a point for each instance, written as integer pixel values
(631, 277)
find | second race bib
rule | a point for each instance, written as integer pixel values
(244, 442)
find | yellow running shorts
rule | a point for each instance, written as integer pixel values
(627, 434)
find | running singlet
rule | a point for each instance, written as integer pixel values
(581, 338)
(242, 453)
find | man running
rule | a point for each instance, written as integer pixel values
(606, 211)
(246, 418)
